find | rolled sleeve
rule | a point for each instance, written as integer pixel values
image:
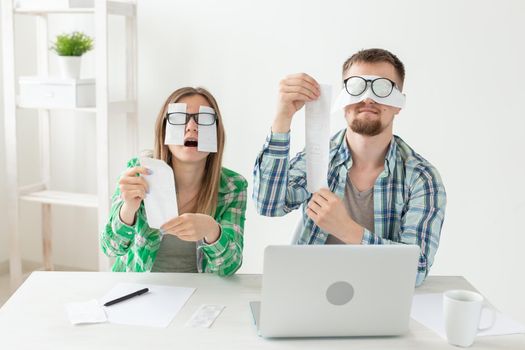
(224, 256)
(279, 183)
(370, 238)
(120, 227)
(277, 145)
(217, 248)
(117, 236)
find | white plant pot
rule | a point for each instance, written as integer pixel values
(70, 66)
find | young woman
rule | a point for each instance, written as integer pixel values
(207, 236)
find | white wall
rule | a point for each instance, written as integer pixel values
(464, 83)
(3, 204)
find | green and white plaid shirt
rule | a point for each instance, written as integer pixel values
(409, 196)
(136, 246)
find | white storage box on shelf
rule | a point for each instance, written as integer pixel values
(37, 92)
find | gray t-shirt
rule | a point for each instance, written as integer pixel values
(359, 205)
(175, 255)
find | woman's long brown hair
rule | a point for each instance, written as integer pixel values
(209, 191)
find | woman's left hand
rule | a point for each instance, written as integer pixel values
(193, 227)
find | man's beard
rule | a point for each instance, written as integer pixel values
(366, 127)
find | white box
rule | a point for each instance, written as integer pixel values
(38, 92)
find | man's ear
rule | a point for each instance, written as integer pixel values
(397, 111)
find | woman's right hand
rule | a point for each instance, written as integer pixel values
(133, 189)
(294, 91)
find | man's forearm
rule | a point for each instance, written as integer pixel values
(353, 233)
(281, 124)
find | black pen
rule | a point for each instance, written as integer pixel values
(126, 297)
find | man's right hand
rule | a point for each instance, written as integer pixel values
(133, 189)
(294, 91)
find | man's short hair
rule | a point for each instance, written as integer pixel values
(376, 56)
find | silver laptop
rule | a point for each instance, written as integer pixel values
(336, 290)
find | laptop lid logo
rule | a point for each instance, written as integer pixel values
(339, 293)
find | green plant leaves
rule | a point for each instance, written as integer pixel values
(72, 44)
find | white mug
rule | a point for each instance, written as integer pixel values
(462, 310)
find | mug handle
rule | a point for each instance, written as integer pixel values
(493, 318)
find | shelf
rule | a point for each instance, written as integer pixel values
(72, 109)
(49, 14)
(114, 8)
(114, 107)
(121, 107)
(49, 11)
(63, 198)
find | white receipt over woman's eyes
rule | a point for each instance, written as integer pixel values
(161, 201)
(175, 133)
(207, 139)
(317, 129)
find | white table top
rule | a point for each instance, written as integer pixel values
(35, 318)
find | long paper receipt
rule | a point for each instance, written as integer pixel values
(317, 128)
(161, 201)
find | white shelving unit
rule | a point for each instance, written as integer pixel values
(41, 191)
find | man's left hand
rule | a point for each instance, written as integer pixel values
(329, 213)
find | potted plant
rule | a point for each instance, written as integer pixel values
(70, 48)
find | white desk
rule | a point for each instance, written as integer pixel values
(35, 318)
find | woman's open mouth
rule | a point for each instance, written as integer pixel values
(191, 142)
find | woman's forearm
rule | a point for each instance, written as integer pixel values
(127, 214)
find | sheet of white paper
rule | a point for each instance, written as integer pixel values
(156, 308)
(317, 127)
(205, 315)
(161, 201)
(85, 312)
(427, 309)
(207, 134)
(175, 133)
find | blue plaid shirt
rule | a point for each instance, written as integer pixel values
(409, 196)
